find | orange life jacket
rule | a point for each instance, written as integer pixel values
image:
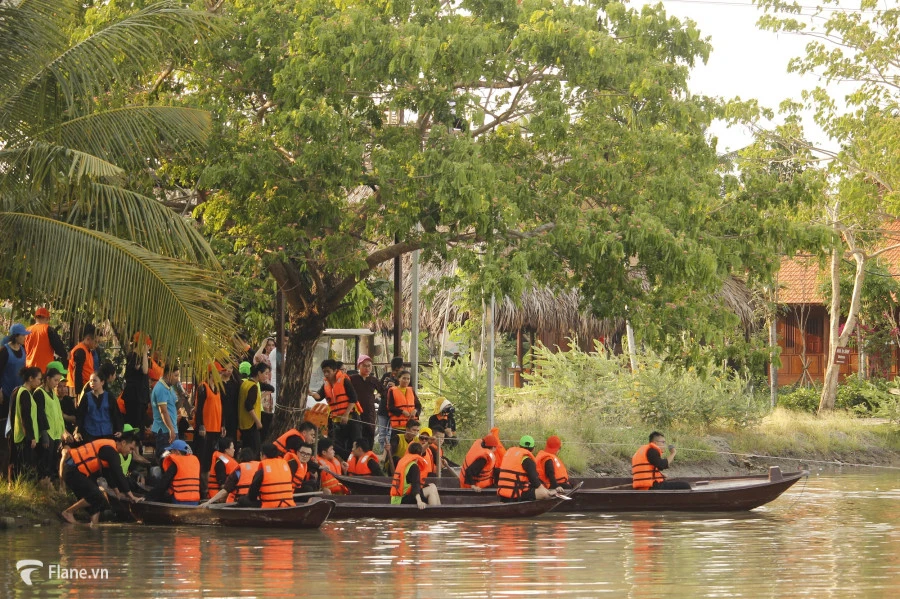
(338, 400)
(186, 484)
(399, 486)
(86, 459)
(562, 475)
(485, 478)
(281, 442)
(360, 466)
(212, 410)
(155, 371)
(328, 480)
(404, 400)
(277, 488)
(643, 473)
(248, 469)
(500, 450)
(513, 481)
(231, 465)
(38, 351)
(88, 368)
(302, 471)
(430, 452)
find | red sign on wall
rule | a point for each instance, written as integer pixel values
(842, 355)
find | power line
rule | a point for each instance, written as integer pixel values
(752, 5)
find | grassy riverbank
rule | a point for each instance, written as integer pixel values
(785, 438)
(24, 502)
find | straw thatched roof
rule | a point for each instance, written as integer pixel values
(556, 314)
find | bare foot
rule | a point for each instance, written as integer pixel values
(67, 516)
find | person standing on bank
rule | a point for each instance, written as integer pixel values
(164, 404)
(136, 394)
(43, 342)
(366, 386)
(81, 360)
(97, 414)
(25, 415)
(250, 405)
(208, 423)
(50, 422)
(342, 402)
(12, 361)
(647, 465)
(403, 403)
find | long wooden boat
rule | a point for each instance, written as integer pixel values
(452, 508)
(716, 494)
(306, 515)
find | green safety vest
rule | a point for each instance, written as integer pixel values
(126, 463)
(52, 408)
(19, 429)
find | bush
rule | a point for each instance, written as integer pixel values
(861, 396)
(464, 385)
(801, 399)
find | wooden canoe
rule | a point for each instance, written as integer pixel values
(455, 507)
(717, 494)
(305, 515)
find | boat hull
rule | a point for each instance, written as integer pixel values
(457, 507)
(307, 515)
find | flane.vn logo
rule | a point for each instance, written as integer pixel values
(26, 567)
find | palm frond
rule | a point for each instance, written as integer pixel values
(39, 164)
(31, 33)
(144, 220)
(115, 54)
(132, 134)
(181, 306)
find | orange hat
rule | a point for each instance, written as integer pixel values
(42, 312)
(147, 339)
(553, 443)
(490, 441)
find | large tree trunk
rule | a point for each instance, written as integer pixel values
(829, 389)
(298, 366)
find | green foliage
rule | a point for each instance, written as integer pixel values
(80, 222)
(603, 390)
(465, 386)
(861, 396)
(801, 399)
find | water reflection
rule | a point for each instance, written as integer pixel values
(837, 536)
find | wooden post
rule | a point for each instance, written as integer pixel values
(517, 381)
(398, 303)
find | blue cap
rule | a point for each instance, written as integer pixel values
(18, 329)
(179, 445)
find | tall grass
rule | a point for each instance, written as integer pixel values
(24, 497)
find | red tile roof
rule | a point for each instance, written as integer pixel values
(800, 278)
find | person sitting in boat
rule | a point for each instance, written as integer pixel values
(272, 485)
(477, 471)
(647, 465)
(445, 418)
(306, 473)
(231, 489)
(400, 441)
(363, 461)
(434, 455)
(550, 468)
(329, 466)
(281, 443)
(223, 464)
(408, 486)
(517, 478)
(85, 464)
(180, 482)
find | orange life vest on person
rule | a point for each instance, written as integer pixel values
(643, 473)
(513, 481)
(360, 466)
(212, 410)
(281, 442)
(248, 469)
(186, 484)
(404, 400)
(338, 400)
(302, 471)
(86, 459)
(88, 368)
(155, 371)
(327, 479)
(562, 475)
(231, 465)
(431, 451)
(399, 486)
(486, 477)
(38, 351)
(277, 488)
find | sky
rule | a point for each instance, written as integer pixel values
(745, 62)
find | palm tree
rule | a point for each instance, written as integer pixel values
(73, 227)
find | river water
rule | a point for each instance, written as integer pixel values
(834, 535)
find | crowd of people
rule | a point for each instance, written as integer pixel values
(64, 425)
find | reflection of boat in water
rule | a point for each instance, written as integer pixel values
(305, 515)
(454, 507)
(716, 494)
